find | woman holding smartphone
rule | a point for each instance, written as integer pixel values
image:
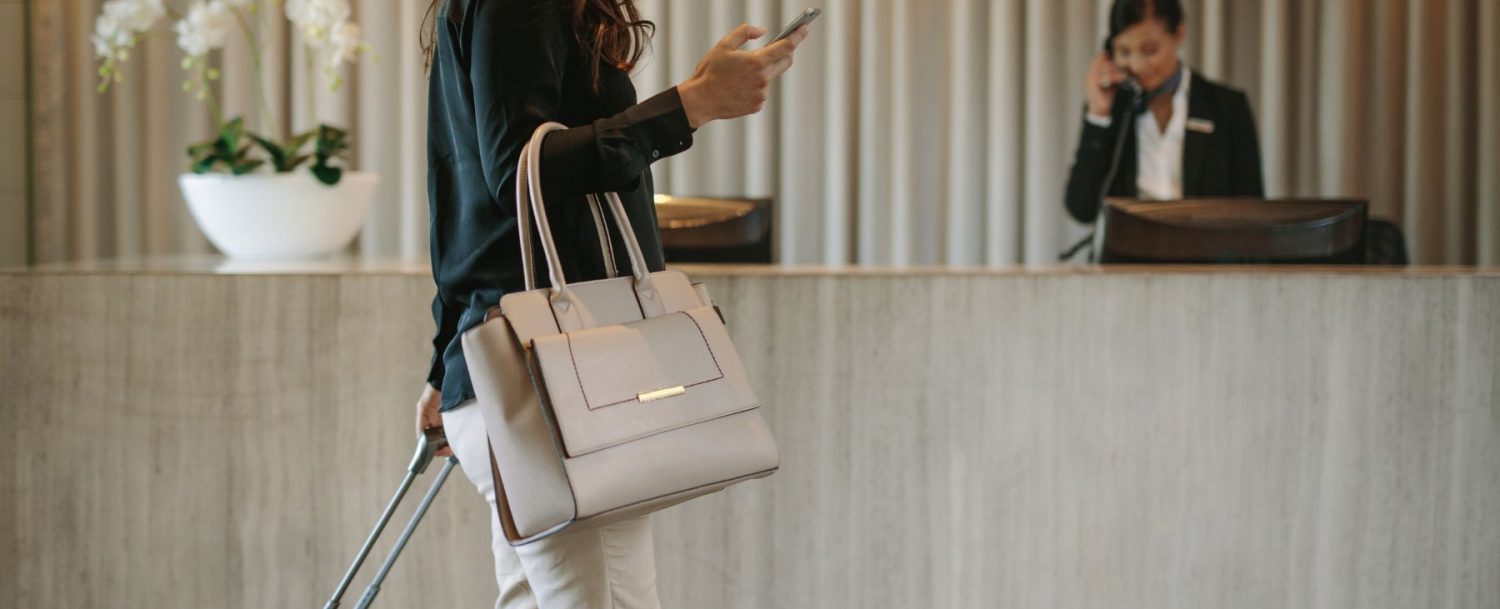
(498, 70)
(1183, 135)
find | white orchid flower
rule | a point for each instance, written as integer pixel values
(205, 28)
(136, 15)
(318, 19)
(119, 24)
(346, 44)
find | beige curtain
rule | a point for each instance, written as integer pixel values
(931, 132)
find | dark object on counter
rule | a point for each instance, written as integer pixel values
(708, 230)
(1235, 231)
(1385, 244)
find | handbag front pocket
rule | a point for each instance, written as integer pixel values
(619, 383)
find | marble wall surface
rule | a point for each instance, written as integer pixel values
(1126, 439)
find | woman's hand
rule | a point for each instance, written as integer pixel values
(1101, 85)
(730, 83)
(429, 414)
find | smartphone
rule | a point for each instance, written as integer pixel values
(807, 16)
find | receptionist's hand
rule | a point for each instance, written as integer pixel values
(1102, 83)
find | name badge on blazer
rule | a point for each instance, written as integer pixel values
(1201, 125)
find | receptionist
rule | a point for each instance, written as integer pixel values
(1154, 129)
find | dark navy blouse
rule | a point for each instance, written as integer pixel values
(501, 69)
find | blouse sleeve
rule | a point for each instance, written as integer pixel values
(517, 56)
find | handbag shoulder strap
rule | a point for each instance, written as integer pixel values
(530, 206)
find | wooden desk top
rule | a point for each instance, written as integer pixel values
(216, 265)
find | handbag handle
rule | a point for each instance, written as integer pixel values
(606, 249)
(529, 205)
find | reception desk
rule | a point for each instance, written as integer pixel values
(190, 433)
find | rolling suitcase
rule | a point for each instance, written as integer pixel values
(428, 444)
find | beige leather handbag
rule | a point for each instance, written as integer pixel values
(608, 399)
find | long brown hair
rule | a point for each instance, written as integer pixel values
(608, 30)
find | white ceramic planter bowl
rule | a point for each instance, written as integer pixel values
(288, 216)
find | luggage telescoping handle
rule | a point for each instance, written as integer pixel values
(431, 441)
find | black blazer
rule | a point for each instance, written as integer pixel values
(1225, 163)
(501, 69)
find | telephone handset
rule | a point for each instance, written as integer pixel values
(1130, 83)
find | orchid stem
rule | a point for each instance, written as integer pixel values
(312, 87)
(260, 76)
(208, 93)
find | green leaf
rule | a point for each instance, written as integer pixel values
(271, 147)
(205, 165)
(245, 167)
(298, 141)
(198, 150)
(231, 132)
(278, 154)
(284, 156)
(229, 150)
(332, 139)
(327, 174)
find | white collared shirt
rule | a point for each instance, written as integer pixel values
(1159, 170)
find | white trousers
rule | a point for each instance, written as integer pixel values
(608, 567)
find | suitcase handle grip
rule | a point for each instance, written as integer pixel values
(431, 441)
